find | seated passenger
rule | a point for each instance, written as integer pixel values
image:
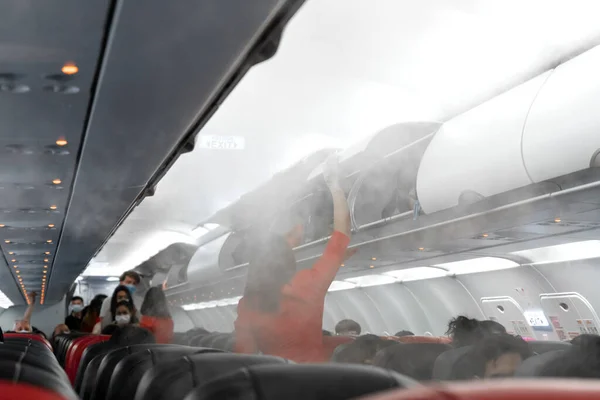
(413, 360)
(129, 279)
(73, 320)
(91, 314)
(24, 325)
(465, 331)
(124, 314)
(582, 360)
(156, 316)
(347, 327)
(362, 350)
(121, 293)
(281, 313)
(61, 329)
(404, 333)
(585, 340)
(497, 356)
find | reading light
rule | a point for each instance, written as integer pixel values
(57, 181)
(70, 69)
(374, 259)
(53, 207)
(47, 253)
(45, 266)
(485, 235)
(50, 225)
(2, 225)
(11, 252)
(61, 142)
(371, 266)
(421, 248)
(45, 260)
(13, 260)
(557, 220)
(7, 241)
(49, 241)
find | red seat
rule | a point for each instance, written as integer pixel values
(76, 350)
(30, 336)
(22, 391)
(420, 339)
(572, 389)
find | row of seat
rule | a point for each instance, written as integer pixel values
(27, 361)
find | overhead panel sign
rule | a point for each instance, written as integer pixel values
(217, 142)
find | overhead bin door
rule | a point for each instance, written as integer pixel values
(570, 314)
(478, 153)
(562, 133)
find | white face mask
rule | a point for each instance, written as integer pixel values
(24, 331)
(122, 319)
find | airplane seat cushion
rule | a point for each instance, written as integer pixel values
(109, 362)
(18, 372)
(23, 391)
(206, 340)
(543, 346)
(33, 359)
(571, 389)
(415, 360)
(174, 380)
(302, 381)
(87, 389)
(129, 371)
(89, 354)
(445, 363)
(532, 367)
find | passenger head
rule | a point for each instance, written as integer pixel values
(120, 294)
(155, 303)
(415, 360)
(61, 329)
(76, 305)
(499, 356)
(404, 333)
(272, 266)
(467, 331)
(362, 350)
(129, 335)
(124, 313)
(347, 327)
(585, 340)
(22, 326)
(131, 279)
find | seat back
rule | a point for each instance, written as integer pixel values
(533, 366)
(110, 361)
(129, 371)
(32, 358)
(444, 364)
(415, 360)
(88, 355)
(290, 382)
(497, 390)
(76, 351)
(330, 343)
(543, 346)
(29, 336)
(173, 380)
(18, 372)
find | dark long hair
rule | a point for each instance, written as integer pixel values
(272, 266)
(113, 300)
(155, 303)
(91, 313)
(466, 331)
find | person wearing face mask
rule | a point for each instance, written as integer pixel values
(120, 295)
(131, 280)
(124, 314)
(73, 320)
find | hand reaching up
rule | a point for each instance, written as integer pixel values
(331, 172)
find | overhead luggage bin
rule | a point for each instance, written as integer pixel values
(478, 153)
(562, 134)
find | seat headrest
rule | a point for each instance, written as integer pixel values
(542, 346)
(414, 360)
(318, 381)
(129, 371)
(499, 390)
(19, 372)
(533, 366)
(445, 363)
(173, 380)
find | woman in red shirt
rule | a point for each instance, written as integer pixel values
(156, 316)
(281, 312)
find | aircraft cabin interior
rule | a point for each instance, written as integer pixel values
(253, 199)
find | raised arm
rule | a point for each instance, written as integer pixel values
(341, 213)
(29, 311)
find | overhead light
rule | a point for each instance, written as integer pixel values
(421, 248)
(2, 225)
(70, 69)
(13, 260)
(45, 272)
(17, 271)
(557, 220)
(485, 235)
(61, 142)
(7, 241)
(45, 260)
(47, 253)
(342, 265)
(374, 259)
(112, 279)
(15, 266)
(50, 225)
(57, 181)
(371, 266)
(45, 266)
(11, 252)
(476, 265)
(562, 252)
(49, 241)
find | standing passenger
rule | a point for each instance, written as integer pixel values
(131, 279)
(156, 316)
(281, 313)
(91, 313)
(347, 327)
(73, 320)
